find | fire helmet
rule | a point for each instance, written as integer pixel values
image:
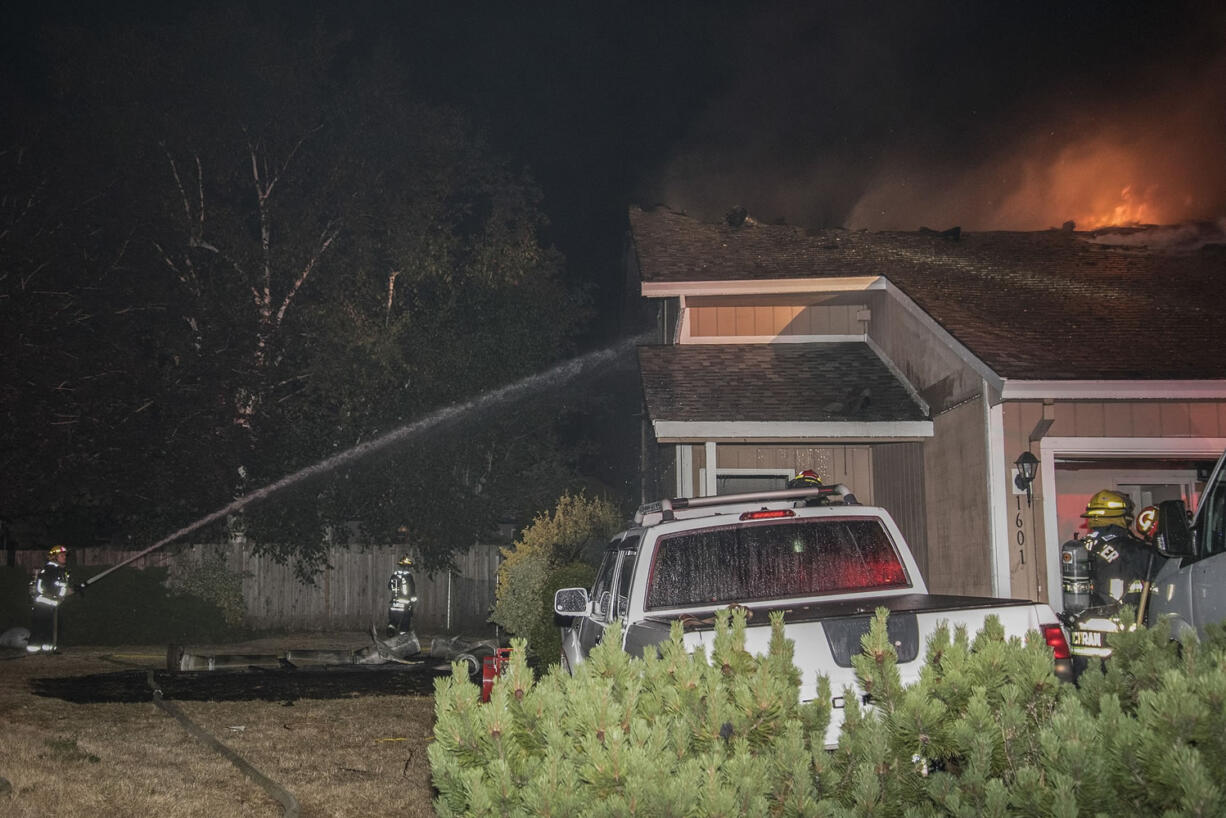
(405, 561)
(1147, 522)
(805, 479)
(56, 550)
(1107, 507)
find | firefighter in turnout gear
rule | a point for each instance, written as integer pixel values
(404, 596)
(805, 479)
(1102, 572)
(48, 590)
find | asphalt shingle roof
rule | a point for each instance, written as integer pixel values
(1047, 305)
(805, 383)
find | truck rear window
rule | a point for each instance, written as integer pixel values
(760, 561)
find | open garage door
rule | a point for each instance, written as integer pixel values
(1147, 482)
(1146, 469)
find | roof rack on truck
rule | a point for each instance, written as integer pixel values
(680, 507)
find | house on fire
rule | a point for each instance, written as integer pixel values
(917, 367)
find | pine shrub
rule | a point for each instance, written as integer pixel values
(986, 730)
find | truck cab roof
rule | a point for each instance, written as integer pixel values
(685, 508)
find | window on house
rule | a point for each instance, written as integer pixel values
(729, 483)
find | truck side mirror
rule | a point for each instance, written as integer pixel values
(570, 602)
(1174, 537)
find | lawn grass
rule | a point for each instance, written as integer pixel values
(344, 757)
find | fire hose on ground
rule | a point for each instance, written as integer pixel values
(275, 790)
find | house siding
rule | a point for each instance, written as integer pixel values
(754, 319)
(850, 465)
(956, 490)
(898, 487)
(1024, 521)
(1087, 419)
(936, 372)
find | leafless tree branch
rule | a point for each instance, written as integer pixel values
(326, 238)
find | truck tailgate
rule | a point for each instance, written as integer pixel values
(827, 635)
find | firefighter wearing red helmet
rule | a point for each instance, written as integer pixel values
(48, 590)
(805, 479)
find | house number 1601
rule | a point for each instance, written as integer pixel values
(1021, 532)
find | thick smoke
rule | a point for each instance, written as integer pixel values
(900, 118)
(1154, 159)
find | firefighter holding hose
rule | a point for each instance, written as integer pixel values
(48, 590)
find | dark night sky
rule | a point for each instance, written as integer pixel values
(884, 115)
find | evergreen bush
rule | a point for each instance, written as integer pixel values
(987, 730)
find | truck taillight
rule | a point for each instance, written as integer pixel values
(768, 514)
(1053, 635)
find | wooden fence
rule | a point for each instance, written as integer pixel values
(351, 594)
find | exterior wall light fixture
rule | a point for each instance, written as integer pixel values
(1027, 468)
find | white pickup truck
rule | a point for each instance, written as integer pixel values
(813, 553)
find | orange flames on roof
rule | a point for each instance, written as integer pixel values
(1096, 185)
(1163, 168)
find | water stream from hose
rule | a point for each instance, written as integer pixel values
(558, 375)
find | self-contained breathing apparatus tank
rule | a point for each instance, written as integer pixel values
(1075, 580)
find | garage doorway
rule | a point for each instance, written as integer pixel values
(1073, 469)
(1146, 484)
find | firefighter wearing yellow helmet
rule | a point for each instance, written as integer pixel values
(48, 590)
(1104, 571)
(403, 597)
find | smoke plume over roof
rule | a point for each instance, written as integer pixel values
(989, 116)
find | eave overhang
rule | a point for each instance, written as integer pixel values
(762, 286)
(1114, 390)
(674, 431)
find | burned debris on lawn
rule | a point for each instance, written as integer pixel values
(396, 666)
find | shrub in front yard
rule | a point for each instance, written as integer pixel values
(577, 528)
(134, 606)
(130, 606)
(987, 730)
(546, 636)
(14, 597)
(206, 576)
